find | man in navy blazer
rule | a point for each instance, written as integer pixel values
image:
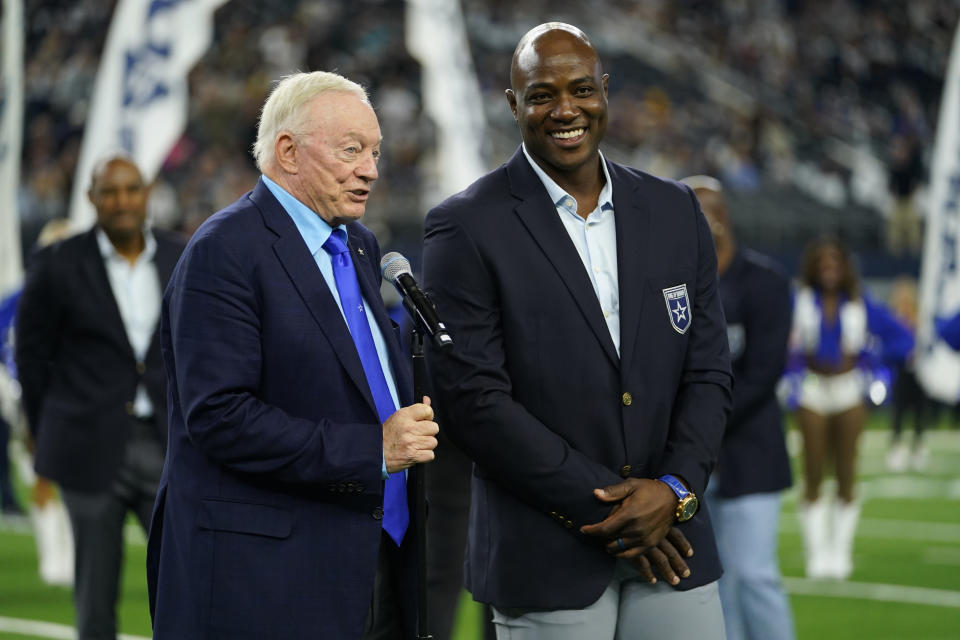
(590, 379)
(270, 519)
(94, 389)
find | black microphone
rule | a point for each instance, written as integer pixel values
(396, 270)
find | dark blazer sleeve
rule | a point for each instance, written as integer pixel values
(768, 316)
(218, 327)
(39, 316)
(474, 390)
(703, 400)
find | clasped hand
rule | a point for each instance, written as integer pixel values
(639, 529)
(410, 436)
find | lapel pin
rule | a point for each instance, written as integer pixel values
(360, 251)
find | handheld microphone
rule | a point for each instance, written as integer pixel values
(396, 270)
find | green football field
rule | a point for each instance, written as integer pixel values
(905, 585)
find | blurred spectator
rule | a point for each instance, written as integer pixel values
(906, 172)
(909, 397)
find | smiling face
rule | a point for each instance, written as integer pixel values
(331, 167)
(559, 99)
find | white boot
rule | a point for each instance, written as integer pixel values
(845, 517)
(54, 539)
(816, 538)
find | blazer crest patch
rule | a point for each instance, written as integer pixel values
(678, 307)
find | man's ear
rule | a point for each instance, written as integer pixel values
(512, 100)
(285, 152)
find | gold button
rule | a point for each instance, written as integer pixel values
(568, 524)
(377, 513)
(627, 399)
(141, 368)
(129, 408)
(554, 514)
(625, 471)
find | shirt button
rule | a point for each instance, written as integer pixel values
(625, 471)
(606, 314)
(627, 399)
(377, 513)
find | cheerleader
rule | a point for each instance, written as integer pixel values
(833, 325)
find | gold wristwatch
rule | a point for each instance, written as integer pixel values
(687, 502)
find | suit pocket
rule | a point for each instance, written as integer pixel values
(244, 517)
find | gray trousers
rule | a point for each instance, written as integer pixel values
(97, 520)
(629, 609)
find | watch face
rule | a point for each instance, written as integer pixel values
(688, 507)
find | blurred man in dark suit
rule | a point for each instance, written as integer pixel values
(753, 468)
(94, 390)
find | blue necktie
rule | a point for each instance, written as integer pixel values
(396, 516)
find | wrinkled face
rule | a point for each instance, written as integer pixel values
(120, 198)
(336, 159)
(559, 99)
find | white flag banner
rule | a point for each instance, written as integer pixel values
(140, 96)
(937, 365)
(11, 138)
(437, 38)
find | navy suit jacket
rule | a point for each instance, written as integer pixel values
(268, 518)
(756, 303)
(75, 363)
(535, 392)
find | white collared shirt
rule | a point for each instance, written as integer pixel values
(136, 289)
(595, 239)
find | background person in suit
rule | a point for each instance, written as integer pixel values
(753, 468)
(94, 391)
(282, 510)
(590, 379)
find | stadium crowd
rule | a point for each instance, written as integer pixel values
(745, 90)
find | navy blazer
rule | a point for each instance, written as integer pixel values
(75, 363)
(268, 518)
(535, 392)
(756, 303)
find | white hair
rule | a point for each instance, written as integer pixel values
(283, 110)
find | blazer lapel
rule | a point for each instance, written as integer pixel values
(539, 216)
(302, 270)
(94, 272)
(632, 219)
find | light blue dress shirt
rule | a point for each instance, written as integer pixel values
(595, 239)
(315, 232)
(136, 289)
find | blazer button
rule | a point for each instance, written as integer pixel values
(625, 471)
(627, 399)
(378, 513)
(568, 524)
(129, 407)
(141, 368)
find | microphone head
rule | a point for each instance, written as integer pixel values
(392, 265)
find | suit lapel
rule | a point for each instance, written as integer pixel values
(539, 216)
(632, 218)
(94, 272)
(302, 270)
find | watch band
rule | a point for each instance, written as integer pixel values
(675, 485)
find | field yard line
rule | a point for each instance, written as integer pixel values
(895, 529)
(40, 629)
(870, 591)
